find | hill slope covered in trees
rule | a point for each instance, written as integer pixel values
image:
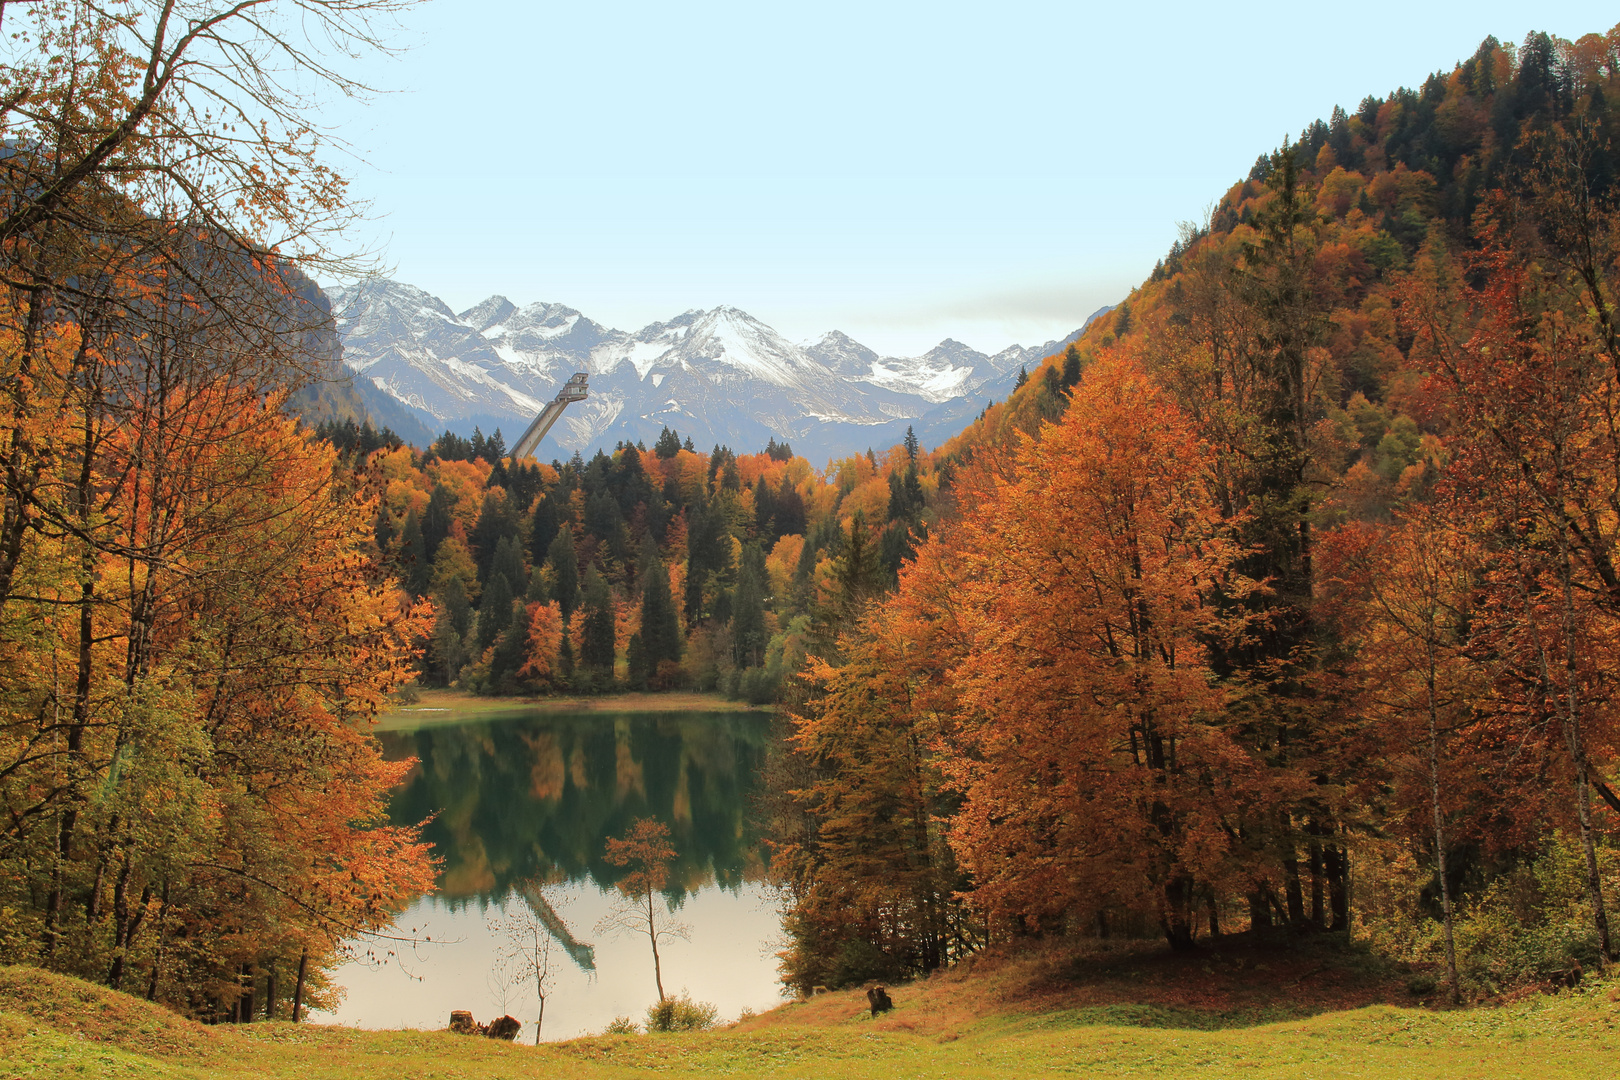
(1282, 601)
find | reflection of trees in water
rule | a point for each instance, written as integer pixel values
(523, 798)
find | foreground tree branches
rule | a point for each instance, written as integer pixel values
(193, 636)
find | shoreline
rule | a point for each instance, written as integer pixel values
(444, 706)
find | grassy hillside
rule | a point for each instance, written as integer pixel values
(1225, 1012)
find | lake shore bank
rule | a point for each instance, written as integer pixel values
(433, 707)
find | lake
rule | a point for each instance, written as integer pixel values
(530, 797)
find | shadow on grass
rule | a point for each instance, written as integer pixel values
(1236, 981)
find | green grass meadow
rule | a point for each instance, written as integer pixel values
(51, 1026)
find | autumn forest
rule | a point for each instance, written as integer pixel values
(1284, 601)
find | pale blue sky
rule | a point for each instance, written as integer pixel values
(902, 172)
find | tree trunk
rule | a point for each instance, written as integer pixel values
(1440, 838)
(244, 1004)
(652, 935)
(1577, 754)
(163, 938)
(1291, 886)
(126, 924)
(298, 990)
(1318, 915)
(1177, 916)
(1583, 805)
(1259, 910)
(1337, 862)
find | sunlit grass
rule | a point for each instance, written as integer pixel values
(51, 1026)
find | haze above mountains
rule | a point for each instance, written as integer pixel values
(718, 377)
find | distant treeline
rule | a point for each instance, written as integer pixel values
(641, 568)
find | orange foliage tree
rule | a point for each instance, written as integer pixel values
(1088, 745)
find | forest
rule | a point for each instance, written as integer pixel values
(643, 569)
(195, 636)
(1283, 602)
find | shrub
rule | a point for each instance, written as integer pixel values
(1531, 925)
(621, 1025)
(681, 1014)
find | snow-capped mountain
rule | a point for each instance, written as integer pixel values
(718, 376)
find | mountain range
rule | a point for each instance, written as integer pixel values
(718, 376)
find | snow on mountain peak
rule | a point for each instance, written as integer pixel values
(488, 313)
(728, 377)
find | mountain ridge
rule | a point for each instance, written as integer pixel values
(717, 375)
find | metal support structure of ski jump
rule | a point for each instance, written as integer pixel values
(573, 390)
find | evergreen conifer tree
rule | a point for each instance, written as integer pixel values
(1071, 368)
(549, 516)
(415, 567)
(660, 629)
(495, 610)
(385, 531)
(668, 444)
(508, 561)
(636, 658)
(436, 519)
(454, 599)
(511, 649)
(564, 572)
(596, 646)
(748, 637)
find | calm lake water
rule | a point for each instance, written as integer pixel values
(528, 796)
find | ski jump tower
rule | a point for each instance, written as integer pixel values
(573, 390)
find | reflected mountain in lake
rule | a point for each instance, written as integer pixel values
(535, 796)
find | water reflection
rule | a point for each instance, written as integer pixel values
(532, 797)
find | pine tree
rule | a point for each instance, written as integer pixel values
(748, 637)
(858, 578)
(668, 444)
(565, 660)
(636, 662)
(496, 520)
(1071, 368)
(437, 518)
(596, 646)
(564, 572)
(454, 598)
(660, 630)
(765, 513)
(495, 611)
(386, 531)
(511, 651)
(508, 561)
(550, 514)
(415, 565)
